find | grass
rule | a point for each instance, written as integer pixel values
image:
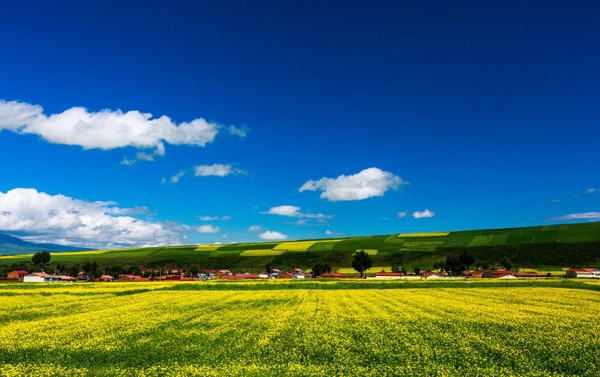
(419, 249)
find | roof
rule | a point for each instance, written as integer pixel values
(20, 272)
(384, 273)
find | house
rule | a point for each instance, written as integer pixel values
(35, 277)
(574, 272)
(432, 275)
(233, 277)
(59, 279)
(389, 275)
(264, 275)
(334, 275)
(298, 275)
(594, 271)
(172, 277)
(131, 277)
(497, 273)
(189, 278)
(285, 275)
(106, 278)
(17, 275)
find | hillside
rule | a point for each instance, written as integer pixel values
(13, 245)
(555, 245)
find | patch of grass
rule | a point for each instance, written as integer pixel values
(481, 240)
(322, 246)
(261, 252)
(294, 246)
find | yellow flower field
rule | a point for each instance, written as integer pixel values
(154, 329)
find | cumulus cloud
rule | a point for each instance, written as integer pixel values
(423, 214)
(577, 216)
(269, 235)
(254, 228)
(366, 184)
(218, 170)
(328, 232)
(293, 211)
(402, 214)
(40, 217)
(592, 190)
(208, 229)
(108, 129)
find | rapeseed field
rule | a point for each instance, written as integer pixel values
(155, 329)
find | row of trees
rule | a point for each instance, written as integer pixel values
(455, 264)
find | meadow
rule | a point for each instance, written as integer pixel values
(336, 328)
(547, 248)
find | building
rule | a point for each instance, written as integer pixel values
(17, 275)
(106, 278)
(389, 275)
(59, 279)
(35, 277)
(578, 273)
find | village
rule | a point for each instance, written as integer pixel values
(296, 273)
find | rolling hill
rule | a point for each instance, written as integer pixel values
(554, 245)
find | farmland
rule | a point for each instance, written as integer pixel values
(301, 328)
(548, 247)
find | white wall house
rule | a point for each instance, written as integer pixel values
(34, 277)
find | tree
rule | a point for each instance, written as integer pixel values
(268, 267)
(466, 258)
(396, 268)
(506, 263)
(453, 265)
(417, 270)
(320, 268)
(361, 262)
(40, 258)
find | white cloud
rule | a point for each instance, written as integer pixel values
(592, 190)
(163, 181)
(40, 217)
(423, 214)
(293, 211)
(218, 170)
(366, 184)
(108, 129)
(268, 235)
(254, 228)
(142, 156)
(402, 214)
(175, 178)
(208, 229)
(577, 216)
(328, 232)
(241, 132)
(128, 162)
(213, 218)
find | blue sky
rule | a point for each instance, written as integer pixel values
(305, 119)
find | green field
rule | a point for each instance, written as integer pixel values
(527, 247)
(288, 328)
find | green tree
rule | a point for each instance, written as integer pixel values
(40, 258)
(320, 268)
(506, 263)
(361, 262)
(453, 265)
(466, 258)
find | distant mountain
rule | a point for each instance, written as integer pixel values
(14, 245)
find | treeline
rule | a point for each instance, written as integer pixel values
(534, 254)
